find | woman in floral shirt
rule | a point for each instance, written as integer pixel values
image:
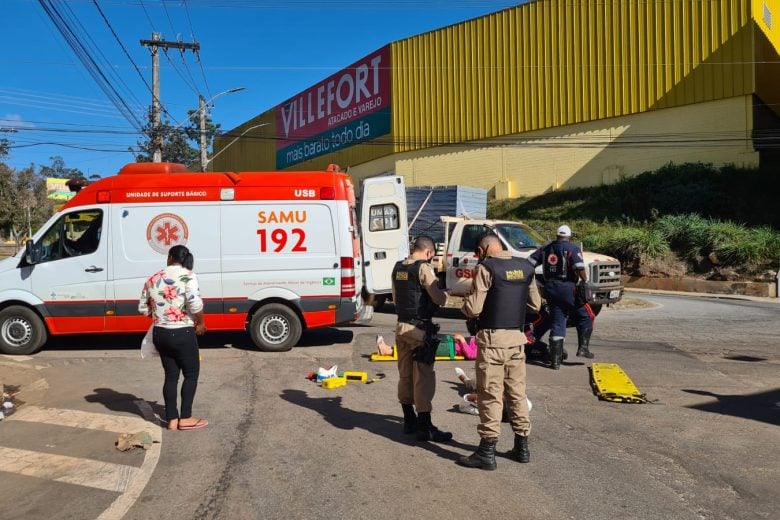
(172, 298)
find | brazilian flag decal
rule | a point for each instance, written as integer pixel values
(328, 281)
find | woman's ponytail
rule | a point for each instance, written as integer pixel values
(181, 255)
(188, 262)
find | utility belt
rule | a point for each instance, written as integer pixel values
(474, 326)
(420, 324)
(426, 353)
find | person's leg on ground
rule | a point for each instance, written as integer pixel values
(490, 382)
(406, 383)
(517, 402)
(584, 330)
(424, 390)
(189, 360)
(162, 341)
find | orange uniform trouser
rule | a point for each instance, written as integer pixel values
(500, 376)
(417, 381)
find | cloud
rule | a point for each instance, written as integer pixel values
(14, 121)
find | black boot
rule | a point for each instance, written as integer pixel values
(483, 458)
(556, 353)
(410, 419)
(583, 344)
(428, 432)
(565, 355)
(520, 452)
(538, 351)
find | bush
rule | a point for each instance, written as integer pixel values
(686, 234)
(629, 244)
(689, 210)
(727, 193)
(749, 248)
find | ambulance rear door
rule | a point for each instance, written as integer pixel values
(384, 229)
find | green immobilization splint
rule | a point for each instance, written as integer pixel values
(612, 384)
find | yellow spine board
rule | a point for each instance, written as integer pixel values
(394, 357)
(612, 384)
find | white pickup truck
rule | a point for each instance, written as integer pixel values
(456, 263)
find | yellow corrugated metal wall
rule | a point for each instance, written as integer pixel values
(553, 63)
(766, 14)
(558, 62)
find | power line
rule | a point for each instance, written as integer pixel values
(89, 62)
(193, 84)
(192, 34)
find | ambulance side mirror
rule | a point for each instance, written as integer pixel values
(31, 253)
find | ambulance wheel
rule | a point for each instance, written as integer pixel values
(21, 331)
(275, 328)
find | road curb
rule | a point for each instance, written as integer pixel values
(717, 296)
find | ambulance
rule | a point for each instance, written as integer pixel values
(275, 253)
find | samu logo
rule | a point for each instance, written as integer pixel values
(308, 194)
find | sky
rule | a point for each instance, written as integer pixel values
(50, 104)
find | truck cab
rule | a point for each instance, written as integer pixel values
(458, 263)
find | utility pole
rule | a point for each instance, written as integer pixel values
(154, 45)
(203, 155)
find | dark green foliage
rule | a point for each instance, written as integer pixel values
(629, 244)
(695, 211)
(728, 193)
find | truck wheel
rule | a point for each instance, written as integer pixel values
(275, 328)
(379, 301)
(21, 331)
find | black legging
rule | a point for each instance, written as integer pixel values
(178, 350)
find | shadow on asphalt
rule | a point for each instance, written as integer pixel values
(762, 407)
(119, 402)
(239, 340)
(387, 426)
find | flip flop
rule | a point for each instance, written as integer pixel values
(202, 423)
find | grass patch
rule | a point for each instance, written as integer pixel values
(708, 217)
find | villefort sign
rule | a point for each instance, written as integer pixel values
(348, 108)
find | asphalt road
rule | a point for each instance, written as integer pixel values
(279, 446)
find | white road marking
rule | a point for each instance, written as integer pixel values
(87, 420)
(123, 503)
(127, 480)
(70, 470)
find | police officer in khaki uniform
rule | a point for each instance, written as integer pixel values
(502, 289)
(417, 295)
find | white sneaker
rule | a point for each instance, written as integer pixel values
(460, 373)
(379, 339)
(529, 404)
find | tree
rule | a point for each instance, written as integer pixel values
(24, 206)
(175, 141)
(5, 146)
(59, 170)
